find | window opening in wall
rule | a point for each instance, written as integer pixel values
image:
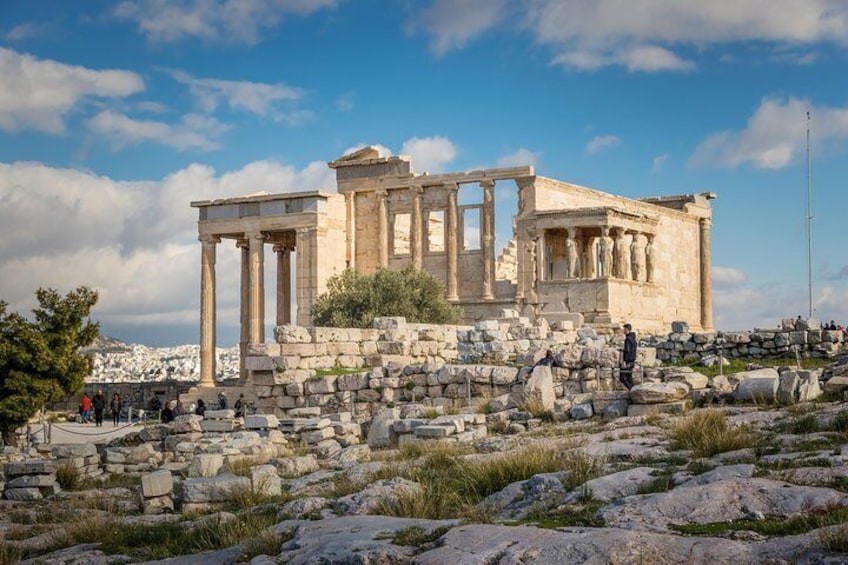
(436, 231)
(469, 194)
(401, 243)
(471, 229)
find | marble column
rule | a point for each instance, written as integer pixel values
(706, 283)
(452, 243)
(257, 287)
(350, 230)
(590, 267)
(208, 357)
(417, 228)
(283, 283)
(383, 223)
(541, 258)
(488, 237)
(244, 305)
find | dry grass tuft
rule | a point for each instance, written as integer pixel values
(707, 433)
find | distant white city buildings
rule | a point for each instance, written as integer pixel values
(139, 363)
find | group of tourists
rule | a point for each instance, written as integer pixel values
(174, 408)
(96, 405)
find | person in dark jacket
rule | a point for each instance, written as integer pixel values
(625, 376)
(116, 406)
(99, 405)
(200, 410)
(167, 414)
(222, 400)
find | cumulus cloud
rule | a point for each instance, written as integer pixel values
(521, 157)
(774, 137)
(257, 98)
(232, 21)
(644, 36)
(429, 154)
(601, 143)
(745, 307)
(728, 277)
(135, 241)
(39, 93)
(192, 132)
(453, 23)
(659, 162)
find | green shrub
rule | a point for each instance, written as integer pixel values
(353, 300)
(707, 433)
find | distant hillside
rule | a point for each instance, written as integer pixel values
(106, 344)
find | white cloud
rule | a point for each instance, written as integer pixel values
(774, 137)
(601, 143)
(659, 162)
(345, 102)
(521, 157)
(429, 154)
(640, 35)
(649, 58)
(135, 241)
(232, 21)
(257, 98)
(38, 94)
(728, 277)
(192, 132)
(648, 35)
(26, 31)
(453, 23)
(746, 307)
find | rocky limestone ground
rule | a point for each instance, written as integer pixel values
(739, 483)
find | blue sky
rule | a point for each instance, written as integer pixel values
(114, 115)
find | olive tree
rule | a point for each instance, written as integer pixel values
(353, 300)
(40, 358)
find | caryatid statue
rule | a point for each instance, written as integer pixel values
(572, 257)
(637, 258)
(621, 258)
(649, 258)
(605, 253)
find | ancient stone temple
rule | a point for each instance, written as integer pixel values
(576, 253)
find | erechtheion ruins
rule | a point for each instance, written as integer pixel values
(576, 253)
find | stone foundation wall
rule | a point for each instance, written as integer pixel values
(803, 337)
(360, 370)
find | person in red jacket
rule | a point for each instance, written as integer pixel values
(85, 405)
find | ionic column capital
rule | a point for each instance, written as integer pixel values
(258, 236)
(242, 243)
(705, 223)
(210, 239)
(451, 187)
(416, 189)
(282, 248)
(487, 183)
(381, 193)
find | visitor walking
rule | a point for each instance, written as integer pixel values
(222, 400)
(116, 406)
(85, 408)
(625, 376)
(99, 405)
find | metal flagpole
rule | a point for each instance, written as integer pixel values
(809, 222)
